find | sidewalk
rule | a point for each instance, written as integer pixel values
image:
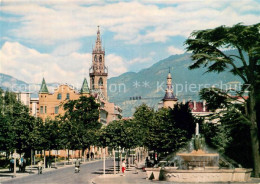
(140, 178)
(6, 175)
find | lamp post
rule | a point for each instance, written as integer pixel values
(104, 162)
(114, 155)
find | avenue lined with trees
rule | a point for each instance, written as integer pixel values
(164, 131)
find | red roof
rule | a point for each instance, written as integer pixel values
(199, 107)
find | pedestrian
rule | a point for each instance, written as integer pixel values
(77, 165)
(20, 164)
(40, 167)
(12, 164)
(136, 166)
(92, 155)
(88, 156)
(24, 165)
(49, 162)
(147, 162)
(123, 167)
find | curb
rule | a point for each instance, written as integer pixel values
(47, 171)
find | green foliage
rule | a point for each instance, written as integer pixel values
(80, 123)
(206, 47)
(16, 124)
(161, 175)
(121, 133)
(164, 131)
(170, 129)
(20, 131)
(231, 138)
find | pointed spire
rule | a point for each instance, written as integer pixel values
(169, 91)
(44, 88)
(98, 45)
(84, 88)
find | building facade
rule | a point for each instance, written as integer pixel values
(50, 105)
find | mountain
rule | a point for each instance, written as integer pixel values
(7, 82)
(149, 83)
(12, 84)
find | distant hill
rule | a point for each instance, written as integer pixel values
(7, 82)
(149, 83)
(12, 84)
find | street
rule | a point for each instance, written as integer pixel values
(66, 175)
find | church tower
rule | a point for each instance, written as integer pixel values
(169, 99)
(98, 71)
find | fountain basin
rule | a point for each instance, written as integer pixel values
(155, 171)
(199, 158)
(212, 175)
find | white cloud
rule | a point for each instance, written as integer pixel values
(30, 65)
(116, 65)
(172, 50)
(133, 22)
(66, 49)
(140, 60)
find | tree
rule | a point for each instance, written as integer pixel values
(170, 129)
(119, 133)
(81, 122)
(206, 46)
(143, 117)
(226, 138)
(16, 124)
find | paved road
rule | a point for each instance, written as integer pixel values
(65, 175)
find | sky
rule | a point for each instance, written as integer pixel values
(54, 38)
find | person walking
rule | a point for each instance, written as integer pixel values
(77, 165)
(123, 167)
(12, 164)
(21, 164)
(24, 165)
(92, 155)
(136, 166)
(40, 167)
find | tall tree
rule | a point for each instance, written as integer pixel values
(206, 46)
(81, 119)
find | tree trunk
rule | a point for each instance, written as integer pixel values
(68, 156)
(84, 154)
(254, 132)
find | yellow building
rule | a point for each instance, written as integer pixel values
(51, 105)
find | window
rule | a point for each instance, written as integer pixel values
(59, 96)
(67, 96)
(45, 109)
(95, 58)
(41, 109)
(100, 58)
(56, 110)
(100, 82)
(93, 83)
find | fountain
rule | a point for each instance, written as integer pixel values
(200, 166)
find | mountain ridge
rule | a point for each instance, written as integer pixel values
(150, 83)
